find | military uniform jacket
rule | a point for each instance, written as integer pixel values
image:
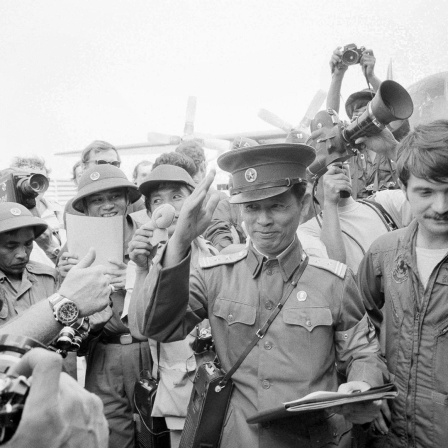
(413, 327)
(323, 323)
(39, 281)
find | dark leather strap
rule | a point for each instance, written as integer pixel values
(388, 221)
(158, 361)
(263, 330)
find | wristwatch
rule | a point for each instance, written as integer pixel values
(65, 311)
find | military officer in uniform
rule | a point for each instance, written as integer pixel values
(321, 333)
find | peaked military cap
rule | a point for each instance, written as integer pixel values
(165, 173)
(14, 216)
(101, 178)
(264, 171)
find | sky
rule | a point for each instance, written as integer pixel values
(77, 71)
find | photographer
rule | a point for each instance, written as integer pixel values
(345, 228)
(369, 171)
(58, 412)
(48, 245)
(338, 69)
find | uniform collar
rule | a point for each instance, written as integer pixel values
(288, 260)
(26, 282)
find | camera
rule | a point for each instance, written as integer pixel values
(13, 390)
(351, 54)
(334, 140)
(22, 187)
(71, 337)
(204, 341)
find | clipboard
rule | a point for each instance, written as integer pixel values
(320, 400)
(106, 235)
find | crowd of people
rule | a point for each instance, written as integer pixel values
(357, 281)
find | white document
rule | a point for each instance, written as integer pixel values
(105, 235)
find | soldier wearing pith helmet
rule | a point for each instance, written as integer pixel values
(22, 282)
(115, 357)
(321, 329)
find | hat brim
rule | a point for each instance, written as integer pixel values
(103, 185)
(362, 95)
(165, 173)
(257, 195)
(20, 222)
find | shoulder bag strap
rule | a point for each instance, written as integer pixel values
(381, 212)
(263, 330)
(158, 361)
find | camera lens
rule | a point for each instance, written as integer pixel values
(33, 185)
(65, 338)
(350, 57)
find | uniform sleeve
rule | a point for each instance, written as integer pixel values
(369, 278)
(357, 349)
(171, 301)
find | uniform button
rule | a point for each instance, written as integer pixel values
(265, 384)
(269, 271)
(308, 323)
(267, 345)
(269, 305)
(230, 317)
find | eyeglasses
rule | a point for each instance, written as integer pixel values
(105, 162)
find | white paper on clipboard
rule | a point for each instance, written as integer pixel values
(106, 235)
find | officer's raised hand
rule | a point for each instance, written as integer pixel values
(194, 218)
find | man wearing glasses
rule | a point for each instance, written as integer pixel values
(100, 152)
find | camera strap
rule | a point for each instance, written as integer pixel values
(263, 330)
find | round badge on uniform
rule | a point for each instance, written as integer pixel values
(301, 296)
(95, 175)
(250, 175)
(16, 211)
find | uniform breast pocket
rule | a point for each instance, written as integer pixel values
(312, 326)
(233, 322)
(307, 317)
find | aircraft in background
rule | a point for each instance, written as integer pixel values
(430, 97)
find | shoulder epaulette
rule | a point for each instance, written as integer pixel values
(209, 262)
(336, 267)
(34, 267)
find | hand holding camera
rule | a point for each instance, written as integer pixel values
(337, 66)
(58, 412)
(336, 181)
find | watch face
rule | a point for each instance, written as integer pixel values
(68, 313)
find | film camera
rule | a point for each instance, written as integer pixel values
(351, 54)
(71, 337)
(334, 140)
(13, 390)
(22, 187)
